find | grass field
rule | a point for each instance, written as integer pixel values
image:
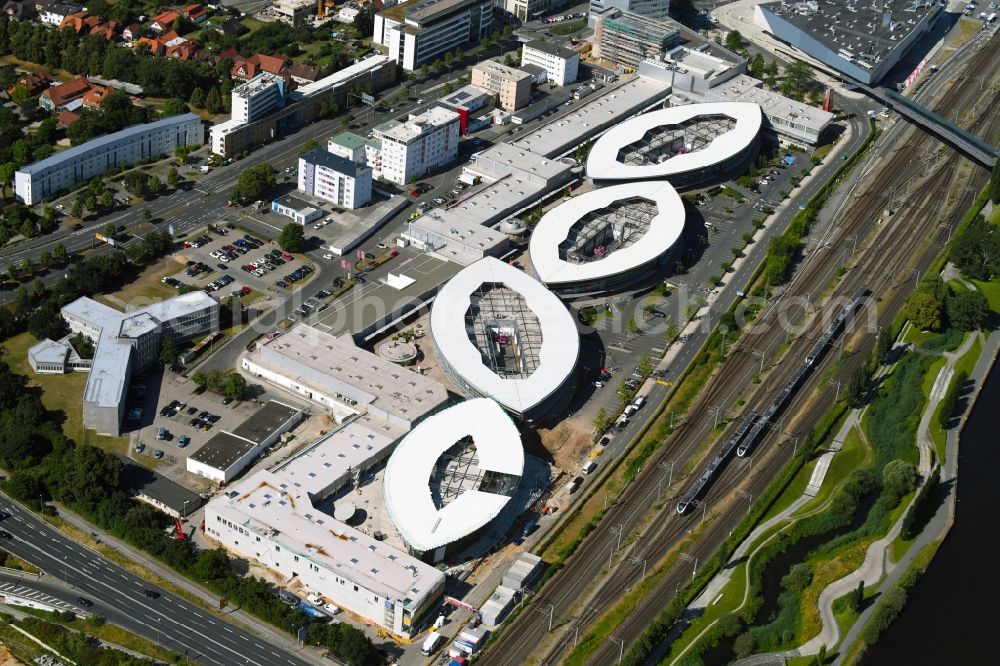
(145, 289)
(568, 28)
(59, 393)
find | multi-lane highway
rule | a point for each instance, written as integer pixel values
(118, 595)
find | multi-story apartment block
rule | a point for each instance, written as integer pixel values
(61, 171)
(335, 179)
(423, 142)
(258, 97)
(127, 342)
(421, 31)
(560, 64)
(511, 85)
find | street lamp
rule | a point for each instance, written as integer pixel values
(621, 647)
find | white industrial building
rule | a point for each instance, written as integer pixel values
(273, 517)
(500, 333)
(421, 31)
(67, 168)
(608, 238)
(301, 212)
(422, 142)
(333, 372)
(335, 179)
(560, 63)
(128, 342)
(261, 95)
(690, 145)
(452, 475)
(227, 453)
(651, 8)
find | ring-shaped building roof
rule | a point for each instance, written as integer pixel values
(603, 162)
(554, 356)
(663, 231)
(408, 495)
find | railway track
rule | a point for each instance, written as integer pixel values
(889, 253)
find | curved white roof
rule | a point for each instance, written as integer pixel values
(407, 476)
(557, 354)
(664, 230)
(602, 162)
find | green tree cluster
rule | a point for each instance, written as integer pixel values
(976, 250)
(254, 183)
(292, 237)
(950, 400)
(230, 384)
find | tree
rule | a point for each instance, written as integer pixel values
(106, 200)
(856, 387)
(976, 251)
(76, 209)
(7, 170)
(995, 184)
(172, 177)
(798, 78)
(624, 393)
(59, 253)
(772, 74)
(109, 230)
(26, 266)
(253, 183)
(155, 186)
(631, 326)
(147, 214)
(448, 88)
(291, 238)
(671, 331)
(168, 351)
(212, 565)
(198, 98)
(924, 311)
(883, 345)
(213, 101)
(234, 386)
(734, 40)
(744, 645)
(173, 107)
(757, 66)
(45, 259)
(601, 421)
(858, 597)
(311, 144)
(645, 366)
(968, 310)
(899, 477)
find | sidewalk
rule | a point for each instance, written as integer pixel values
(266, 631)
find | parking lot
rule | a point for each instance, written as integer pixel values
(230, 262)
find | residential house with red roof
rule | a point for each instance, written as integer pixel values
(65, 95)
(34, 83)
(165, 21)
(194, 13)
(80, 22)
(107, 29)
(244, 70)
(132, 32)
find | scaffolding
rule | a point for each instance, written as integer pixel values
(600, 233)
(504, 329)
(457, 471)
(627, 38)
(661, 143)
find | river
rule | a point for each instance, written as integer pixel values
(952, 611)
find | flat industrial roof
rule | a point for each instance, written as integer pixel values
(603, 163)
(265, 421)
(664, 231)
(69, 154)
(224, 448)
(335, 162)
(408, 497)
(269, 503)
(417, 124)
(335, 365)
(551, 49)
(859, 31)
(558, 353)
(502, 70)
(745, 88)
(143, 481)
(601, 110)
(342, 75)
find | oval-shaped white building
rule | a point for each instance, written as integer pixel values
(452, 475)
(499, 333)
(607, 239)
(691, 145)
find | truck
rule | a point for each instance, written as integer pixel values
(312, 611)
(106, 239)
(431, 643)
(204, 168)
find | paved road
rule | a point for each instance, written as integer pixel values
(118, 595)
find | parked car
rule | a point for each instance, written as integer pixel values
(227, 400)
(183, 441)
(157, 453)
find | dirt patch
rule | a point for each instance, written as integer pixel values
(566, 444)
(7, 659)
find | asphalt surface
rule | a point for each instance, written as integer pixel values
(118, 596)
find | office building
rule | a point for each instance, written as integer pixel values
(261, 95)
(528, 10)
(626, 38)
(862, 40)
(302, 212)
(274, 517)
(348, 145)
(128, 342)
(335, 179)
(63, 170)
(421, 143)
(511, 85)
(421, 31)
(560, 63)
(499, 333)
(651, 8)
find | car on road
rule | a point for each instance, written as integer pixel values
(328, 255)
(85, 602)
(382, 246)
(152, 594)
(4, 534)
(4, 515)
